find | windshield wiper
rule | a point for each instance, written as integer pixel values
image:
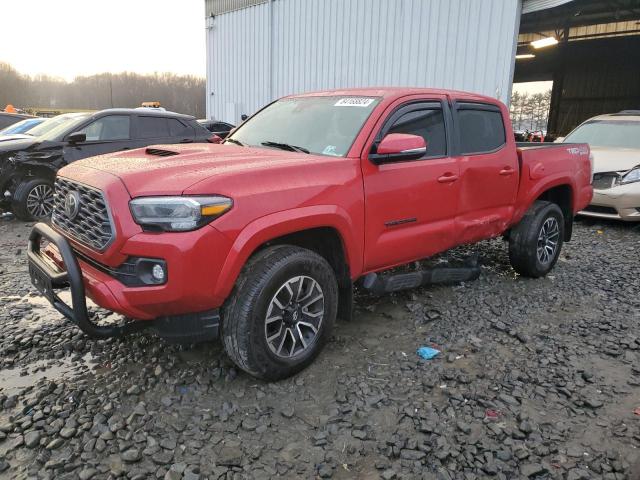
(285, 146)
(233, 140)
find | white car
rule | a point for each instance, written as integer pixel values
(615, 145)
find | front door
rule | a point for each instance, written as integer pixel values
(410, 206)
(489, 172)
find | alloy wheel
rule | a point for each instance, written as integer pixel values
(40, 201)
(548, 241)
(294, 317)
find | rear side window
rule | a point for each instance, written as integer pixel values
(179, 129)
(481, 131)
(199, 128)
(152, 127)
(428, 124)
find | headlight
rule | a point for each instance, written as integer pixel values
(177, 214)
(631, 176)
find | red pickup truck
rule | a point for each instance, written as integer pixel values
(260, 239)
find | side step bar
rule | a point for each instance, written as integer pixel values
(379, 284)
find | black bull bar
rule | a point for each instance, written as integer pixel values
(48, 278)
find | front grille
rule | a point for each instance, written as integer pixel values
(601, 209)
(91, 225)
(602, 181)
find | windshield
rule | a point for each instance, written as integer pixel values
(53, 127)
(22, 126)
(607, 133)
(322, 125)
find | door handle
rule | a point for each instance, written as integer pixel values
(186, 140)
(507, 171)
(448, 178)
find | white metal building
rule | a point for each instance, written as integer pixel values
(259, 50)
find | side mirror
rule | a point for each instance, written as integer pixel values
(77, 137)
(399, 146)
(244, 116)
(214, 139)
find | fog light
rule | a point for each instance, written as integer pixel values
(158, 272)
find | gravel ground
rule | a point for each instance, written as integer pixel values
(537, 379)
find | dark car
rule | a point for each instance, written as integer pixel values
(28, 165)
(7, 119)
(216, 127)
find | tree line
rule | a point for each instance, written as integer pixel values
(177, 93)
(530, 112)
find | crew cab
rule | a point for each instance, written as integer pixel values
(260, 239)
(28, 164)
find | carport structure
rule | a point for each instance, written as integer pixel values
(592, 54)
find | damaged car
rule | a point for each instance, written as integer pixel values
(28, 165)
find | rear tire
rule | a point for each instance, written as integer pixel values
(535, 243)
(33, 199)
(281, 312)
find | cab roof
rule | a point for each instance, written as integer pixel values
(393, 93)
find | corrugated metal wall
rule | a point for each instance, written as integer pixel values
(216, 7)
(281, 47)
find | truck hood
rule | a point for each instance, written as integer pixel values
(172, 169)
(614, 159)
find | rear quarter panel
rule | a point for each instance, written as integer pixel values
(546, 167)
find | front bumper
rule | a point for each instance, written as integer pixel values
(167, 310)
(618, 203)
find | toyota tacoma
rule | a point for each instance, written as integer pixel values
(260, 239)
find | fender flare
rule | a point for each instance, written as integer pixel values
(540, 188)
(282, 223)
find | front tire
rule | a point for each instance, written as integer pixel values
(33, 200)
(281, 312)
(535, 243)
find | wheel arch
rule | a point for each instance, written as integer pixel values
(326, 230)
(561, 195)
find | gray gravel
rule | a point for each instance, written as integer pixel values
(537, 379)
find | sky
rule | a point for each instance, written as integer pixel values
(532, 87)
(67, 38)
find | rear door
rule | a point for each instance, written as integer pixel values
(488, 171)
(411, 205)
(106, 134)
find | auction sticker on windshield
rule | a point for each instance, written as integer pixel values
(354, 102)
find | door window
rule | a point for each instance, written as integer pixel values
(179, 129)
(481, 131)
(152, 127)
(426, 123)
(112, 127)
